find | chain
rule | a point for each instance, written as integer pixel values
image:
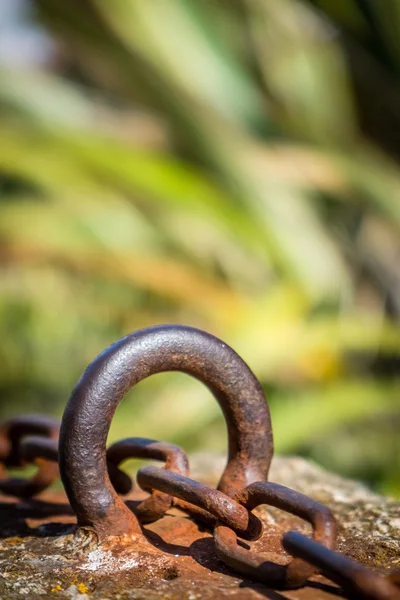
(352, 576)
(227, 510)
(14, 454)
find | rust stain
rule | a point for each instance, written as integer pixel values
(175, 559)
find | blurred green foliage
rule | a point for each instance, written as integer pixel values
(228, 164)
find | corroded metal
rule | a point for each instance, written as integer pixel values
(39, 447)
(107, 543)
(221, 506)
(45, 448)
(351, 575)
(256, 565)
(89, 412)
(157, 504)
(12, 434)
(151, 508)
(42, 557)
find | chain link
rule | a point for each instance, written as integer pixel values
(217, 504)
(227, 510)
(13, 454)
(296, 573)
(355, 578)
(157, 504)
(227, 517)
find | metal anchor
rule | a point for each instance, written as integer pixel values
(88, 415)
(92, 478)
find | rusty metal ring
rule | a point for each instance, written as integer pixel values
(214, 502)
(157, 504)
(248, 562)
(352, 576)
(108, 378)
(12, 433)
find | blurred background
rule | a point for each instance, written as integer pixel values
(227, 164)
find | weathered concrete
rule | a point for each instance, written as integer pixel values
(41, 558)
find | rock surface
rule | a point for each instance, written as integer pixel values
(40, 557)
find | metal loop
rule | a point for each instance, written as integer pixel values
(215, 503)
(12, 434)
(352, 576)
(248, 562)
(157, 504)
(89, 412)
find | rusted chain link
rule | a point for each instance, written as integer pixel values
(37, 447)
(157, 504)
(33, 447)
(92, 477)
(221, 506)
(352, 576)
(12, 433)
(257, 566)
